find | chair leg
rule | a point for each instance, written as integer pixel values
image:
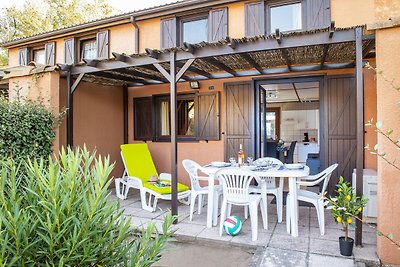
(287, 215)
(223, 216)
(229, 210)
(143, 200)
(217, 197)
(254, 220)
(264, 213)
(279, 204)
(155, 203)
(192, 203)
(322, 218)
(246, 212)
(200, 203)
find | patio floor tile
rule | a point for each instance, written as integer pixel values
(213, 235)
(244, 238)
(321, 260)
(281, 230)
(366, 253)
(287, 242)
(325, 247)
(191, 230)
(274, 257)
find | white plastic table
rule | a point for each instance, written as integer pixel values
(212, 206)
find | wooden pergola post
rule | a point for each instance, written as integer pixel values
(70, 112)
(360, 126)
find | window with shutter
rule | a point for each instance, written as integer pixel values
(143, 112)
(318, 14)
(23, 56)
(207, 116)
(49, 49)
(218, 25)
(168, 33)
(102, 45)
(255, 19)
(69, 51)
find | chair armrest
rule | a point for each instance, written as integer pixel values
(133, 181)
(308, 183)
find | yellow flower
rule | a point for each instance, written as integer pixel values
(349, 220)
(340, 190)
(348, 197)
(339, 219)
(359, 209)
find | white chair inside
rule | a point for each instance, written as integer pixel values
(316, 199)
(194, 169)
(236, 191)
(272, 187)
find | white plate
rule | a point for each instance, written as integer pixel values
(220, 164)
(250, 168)
(294, 166)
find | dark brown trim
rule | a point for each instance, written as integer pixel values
(297, 93)
(70, 112)
(220, 65)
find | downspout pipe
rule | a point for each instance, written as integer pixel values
(133, 21)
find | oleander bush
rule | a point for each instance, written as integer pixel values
(57, 213)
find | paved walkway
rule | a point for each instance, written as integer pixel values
(274, 247)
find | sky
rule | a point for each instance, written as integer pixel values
(123, 5)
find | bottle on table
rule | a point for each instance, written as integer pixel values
(241, 155)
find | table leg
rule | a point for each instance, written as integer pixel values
(294, 209)
(210, 202)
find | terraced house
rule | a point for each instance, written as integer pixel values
(198, 78)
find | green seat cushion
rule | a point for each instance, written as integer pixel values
(139, 163)
(165, 190)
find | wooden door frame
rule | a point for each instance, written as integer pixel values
(277, 111)
(321, 78)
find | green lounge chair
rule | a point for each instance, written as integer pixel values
(139, 167)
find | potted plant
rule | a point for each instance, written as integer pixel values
(345, 207)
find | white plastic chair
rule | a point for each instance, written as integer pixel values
(236, 191)
(272, 189)
(316, 199)
(197, 190)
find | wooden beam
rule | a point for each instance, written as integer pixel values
(126, 111)
(293, 41)
(331, 29)
(184, 68)
(368, 48)
(118, 77)
(297, 93)
(120, 57)
(232, 43)
(252, 62)
(220, 65)
(91, 62)
(324, 55)
(195, 70)
(189, 47)
(360, 126)
(70, 113)
(152, 53)
(163, 71)
(285, 56)
(174, 128)
(77, 82)
(278, 36)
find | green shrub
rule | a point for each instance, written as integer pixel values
(26, 129)
(62, 216)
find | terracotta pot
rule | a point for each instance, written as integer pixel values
(346, 246)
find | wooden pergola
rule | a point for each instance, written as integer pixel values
(323, 49)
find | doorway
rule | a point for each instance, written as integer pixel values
(289, 119)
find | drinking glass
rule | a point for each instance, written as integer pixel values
(250, 160)
(232, 160)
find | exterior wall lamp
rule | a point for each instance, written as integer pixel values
(194, 85)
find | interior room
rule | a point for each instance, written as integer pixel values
(292, 122)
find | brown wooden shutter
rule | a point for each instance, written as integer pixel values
(69, 51)
(23, 56)
(340, 127)
(102, 45)
(218, 24)
(143, 114)
(239, 119)
(207, 116)
(50, 52)
(318, 13)
(254, 19)
(168, 33)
